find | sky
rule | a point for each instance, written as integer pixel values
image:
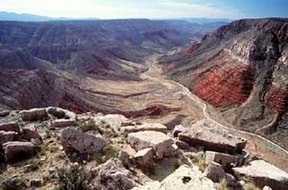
(109, 9)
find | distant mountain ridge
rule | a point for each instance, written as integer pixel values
(24, 17)
(11, 16)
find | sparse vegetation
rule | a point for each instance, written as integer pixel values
(110, 151)
(72, 178)
(14, 183)
(176, 163)
(200, 161)
(251, 186)
(33, 165)
(50, 133)
(223, 185)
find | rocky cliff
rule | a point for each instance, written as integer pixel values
(241, 69)
(54, 148)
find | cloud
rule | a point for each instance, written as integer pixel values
(116, 9)
(201, 10)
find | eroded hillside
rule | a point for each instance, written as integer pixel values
(241, 69)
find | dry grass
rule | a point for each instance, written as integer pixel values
(200, 161)
(251, 186)
(223, 185)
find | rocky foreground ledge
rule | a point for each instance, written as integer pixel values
(53, 148)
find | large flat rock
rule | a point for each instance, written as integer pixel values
(62, 123)
(34, 114)
(184, 178)
(144, 127)
(161, 143)
(10, 126)
(16, 150)
(212, 137)
(82, 142)
(264, 174)
(6, 136)
(226, 160)
(113, 175)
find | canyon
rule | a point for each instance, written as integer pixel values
(230, 77)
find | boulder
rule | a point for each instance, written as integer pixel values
(178, 129)
(82, 142)
(30, 134)
(212, 137)
(263, 174)
(14, 183)
(215, 172)
(161, 143)
(226, 160)
(61, 113)
(144, 158)
(62, 123)
(232, 182)
(35, 182)
(10, 126)
(87, 122)
(144, 127)
(6, 136)
(4, 113)
(184, 178)
(112, 175)
(16, 149)
(113, 120)
(34, 114)
(182, 145)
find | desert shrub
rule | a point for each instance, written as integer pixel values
(72, 178)
(50, 133)
(42, 125)
(33, 165)
(200, 161)
(13, 183)
(190, 155)
(110, 152)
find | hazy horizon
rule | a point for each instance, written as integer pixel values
(150, 9)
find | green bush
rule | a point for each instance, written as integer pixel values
(73, 178)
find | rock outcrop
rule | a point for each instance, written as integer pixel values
(71, 139)
(92, 155)
(161, 143)
(241, 69)
(6, 136)
(144, 127)
(184, 178)
(226, 160)
(144, 158)
(215, 172)
(212, 137)
(34, 114)
(113, 175)
(17, 150)
(62, 123)
(11, 126)
(263, 174)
